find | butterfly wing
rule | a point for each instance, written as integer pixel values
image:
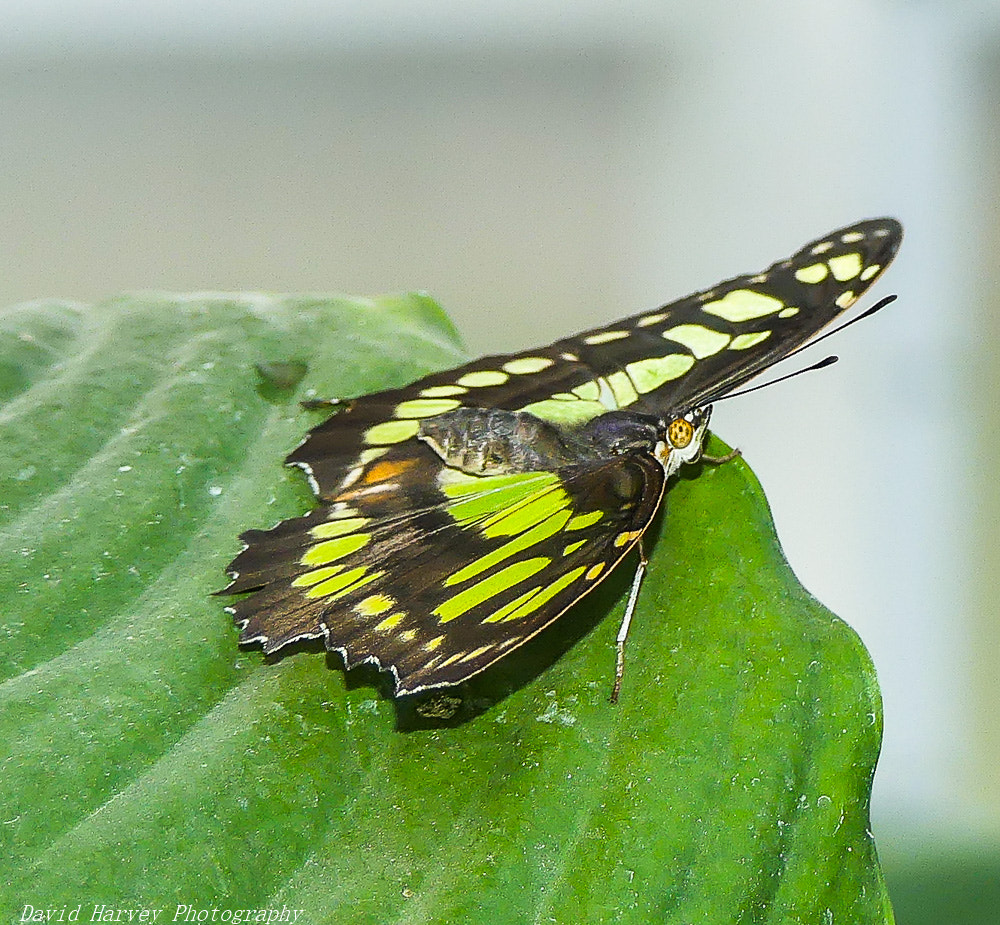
(433, 575)
(395, 570)
(669, 360)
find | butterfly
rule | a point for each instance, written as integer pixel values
(459, 516)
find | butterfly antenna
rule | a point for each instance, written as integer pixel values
(867, 313)
(826, 361)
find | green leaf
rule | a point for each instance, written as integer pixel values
(148, 762)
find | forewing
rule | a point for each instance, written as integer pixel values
(668, 360)
(433, 575)
(692, 351)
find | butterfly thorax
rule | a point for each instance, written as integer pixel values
(491, 441)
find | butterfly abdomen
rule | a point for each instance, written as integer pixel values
(489, 441)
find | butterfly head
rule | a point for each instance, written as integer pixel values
(682, 439)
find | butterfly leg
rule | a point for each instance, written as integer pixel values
(719, 460)
(633, 597)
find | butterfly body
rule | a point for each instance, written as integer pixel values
(490, 441)
(462, 514)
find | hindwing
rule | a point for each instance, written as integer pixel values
(434, 575)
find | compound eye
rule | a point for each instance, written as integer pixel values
(680, 433)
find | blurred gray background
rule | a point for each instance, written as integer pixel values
(544, 167)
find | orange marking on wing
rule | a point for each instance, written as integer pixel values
(387, 471)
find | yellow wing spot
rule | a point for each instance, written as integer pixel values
(845, 267)
(521, 484)
(623, 392)
(391, 432)
(339, 527)
(475, 653)
(539, 597)
(442, 391)
(701, 341)
(433, 644)
(499, 615)
(649, 374)
(375, 605)
(573, 547)
(521, 542)
(570, 357)
(588, 391)
(744, 305)
(546, 509)
(314, 577)
(814, 273)
(342, 511)
(425, 407)
(868, 272)
(454, 482)
(646, 320)
(745, 341)
(605, 337)
(821, 248)
(489, 587)
(789, 312)
(352, 476)
(482, 500)
(390, 622)
(371, 454)
(560, 411)
(483, 378)
(524, 366)
(406, 635)
(626, 537)
(329, 551)
(582, 521)
(846, 299)
(343, 583)
(451, 659)
(851, 237)
(594, 571)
